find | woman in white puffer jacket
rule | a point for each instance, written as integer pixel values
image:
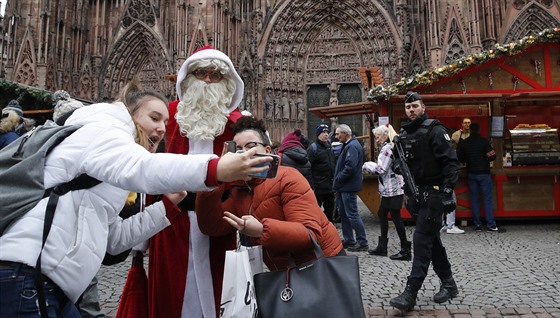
(86, 224)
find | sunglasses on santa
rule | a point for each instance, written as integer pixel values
(213, 74)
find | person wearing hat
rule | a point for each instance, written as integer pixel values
(322, 161)
(112, 145)
(25, 124)
(14, 106)
(88, 304)
(64, 106)
(11, 120)
(434, 166)
(293, 154)
(186, 267)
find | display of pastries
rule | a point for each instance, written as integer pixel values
(525, 126)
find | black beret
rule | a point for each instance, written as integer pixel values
(412, 97)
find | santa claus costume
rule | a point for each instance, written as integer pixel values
(185, 266)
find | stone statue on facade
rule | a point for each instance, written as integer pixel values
(293, 110)
(268, 104)
(285, 104)
(300, 109)
(277, 106)
(333, 101)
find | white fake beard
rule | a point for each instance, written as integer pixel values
(203, 111)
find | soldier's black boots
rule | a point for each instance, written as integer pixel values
(381, 248)
(404, 254)
(405, 301)
(448, 290)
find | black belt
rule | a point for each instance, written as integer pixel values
(430, 187)
(27, 268)
(8, 264)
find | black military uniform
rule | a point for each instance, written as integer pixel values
(434, 167)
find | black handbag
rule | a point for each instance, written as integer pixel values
(323, 288)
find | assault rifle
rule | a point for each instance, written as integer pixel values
(405, 171)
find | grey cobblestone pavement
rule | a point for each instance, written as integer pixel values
(512, 274)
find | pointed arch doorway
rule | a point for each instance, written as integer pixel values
(320, 95)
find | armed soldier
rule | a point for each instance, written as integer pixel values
(434, 168)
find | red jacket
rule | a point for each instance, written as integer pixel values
(287, 208)
(169, 249)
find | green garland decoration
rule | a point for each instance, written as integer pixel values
(28, 97)
(380, 92)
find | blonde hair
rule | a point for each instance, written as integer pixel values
(387, 130)
(133, 96)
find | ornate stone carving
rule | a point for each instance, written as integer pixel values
(519, 4)
(140, 10)
(50, 82)
(293, 44)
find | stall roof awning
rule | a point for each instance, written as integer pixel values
(469, 98)
(432, 99)
(345, 110)
(533, 95)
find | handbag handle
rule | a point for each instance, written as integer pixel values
(316, 248)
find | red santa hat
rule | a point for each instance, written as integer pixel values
(208, 52)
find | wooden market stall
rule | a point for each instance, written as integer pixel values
(513, 92)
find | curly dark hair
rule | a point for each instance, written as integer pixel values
(251, 123)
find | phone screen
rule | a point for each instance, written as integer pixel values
(271, 172)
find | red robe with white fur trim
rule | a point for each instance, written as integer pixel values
(169, 249)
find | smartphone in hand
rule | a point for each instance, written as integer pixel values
(231, 146)
(273, 166)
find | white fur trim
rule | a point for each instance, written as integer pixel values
(201, 146)
(199, 291)
(212, 54)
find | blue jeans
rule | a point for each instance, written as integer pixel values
(18, 296)
(481, 183)
(350, 219)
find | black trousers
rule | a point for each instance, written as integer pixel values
(428, 248)
(326, 200)
(391, 205)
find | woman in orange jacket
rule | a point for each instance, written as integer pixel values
(277, 213)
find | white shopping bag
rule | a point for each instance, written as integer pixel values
(238, 293)
(255, 258)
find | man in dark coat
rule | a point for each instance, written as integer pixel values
(321, 157)
(347, 182)
(434, 167)
(477, 153)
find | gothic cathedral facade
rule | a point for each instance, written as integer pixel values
(292, 54)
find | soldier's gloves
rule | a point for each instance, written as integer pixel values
(448, 201)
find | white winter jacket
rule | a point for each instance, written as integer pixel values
(86, 222)
(390, 183)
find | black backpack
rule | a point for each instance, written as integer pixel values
(22, 165)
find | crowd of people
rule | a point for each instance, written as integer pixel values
(170, 186)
